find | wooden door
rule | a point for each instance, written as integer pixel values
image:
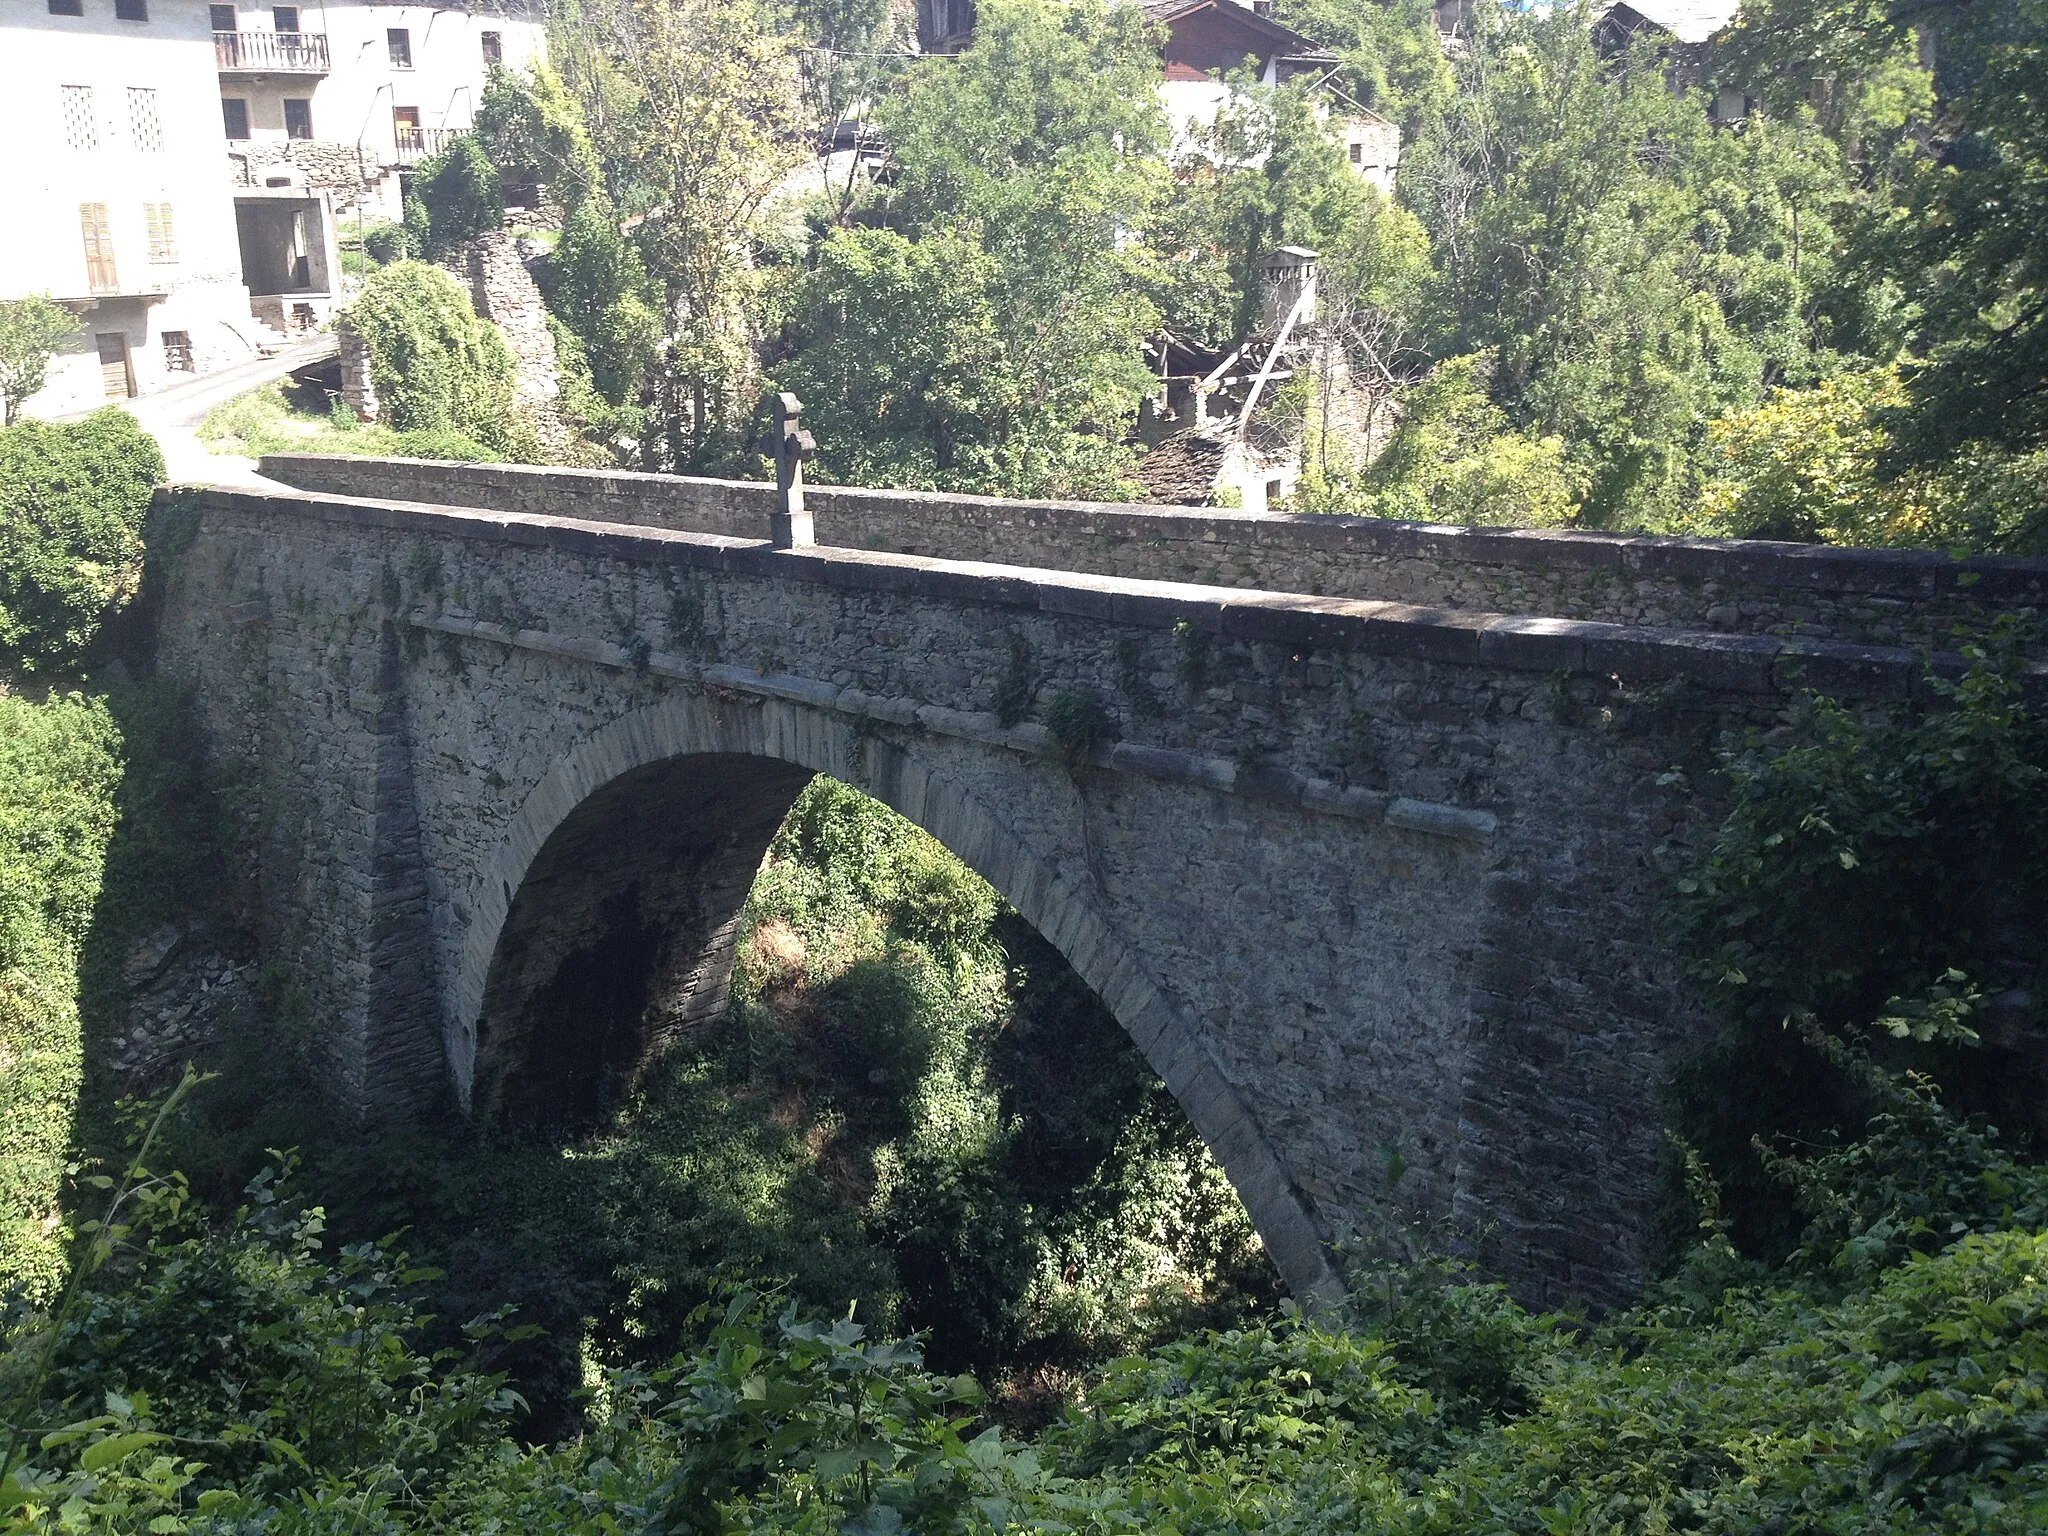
(99, 249)
(116, 376)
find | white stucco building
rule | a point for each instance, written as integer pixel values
(181, 164)
(117, 197)
(349, 95)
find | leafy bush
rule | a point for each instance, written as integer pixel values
(458, 193)
(1860, 858)
(437, 367)
(72, 500)
(1811, 465)
(1876, 876)
(389, 243)
(1454, 459)
(59, 763)
(1867, 1385)
(598, 287)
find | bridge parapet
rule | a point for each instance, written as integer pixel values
(1900, 598)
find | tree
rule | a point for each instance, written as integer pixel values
(1267, 173)
(1031, 166)
(598, 287)
(1637, 271)
(1394, 61)
(1811, 464)
(695, 110)
(30, 330)
(532, 129)
(1978, 240)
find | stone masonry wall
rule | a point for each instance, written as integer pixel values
(1355, 875)
(1880, 597)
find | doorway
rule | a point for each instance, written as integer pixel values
(117, 371)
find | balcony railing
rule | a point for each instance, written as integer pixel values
(280, 53)
(416, 144)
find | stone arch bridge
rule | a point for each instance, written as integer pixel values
(1354, 826)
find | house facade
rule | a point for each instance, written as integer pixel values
(117, 197)
(188, 164)
(347, 97)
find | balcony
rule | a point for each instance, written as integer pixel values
(417, 144)
(270, 53)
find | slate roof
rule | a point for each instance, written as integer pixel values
(1181, 470)
(1282, 42)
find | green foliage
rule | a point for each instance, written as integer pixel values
(598, 287)
(992, 327)
(59, 762)
(1393, 61)
(31, 329)
(1637, 271)
(387, 243)
(1892, 1376)
(1267, 174)
(532, 129)
(72, 500)
(458, 192)
(275, 419)
(1862, 858)
(1812, 465)
(1875, 877)
(436, 366)
(1454, 459)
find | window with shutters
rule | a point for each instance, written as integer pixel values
(145, 126)
(99, 249)
(234, 112)
(163, 238)
(81, 122)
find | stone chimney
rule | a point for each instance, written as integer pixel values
(1289, 272)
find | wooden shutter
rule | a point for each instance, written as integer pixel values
(163, 234)
(99, 249)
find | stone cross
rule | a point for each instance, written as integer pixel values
(789, 525)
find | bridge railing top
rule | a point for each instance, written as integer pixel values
(1726, 662)
(1350, 555)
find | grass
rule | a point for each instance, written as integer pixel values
(296, 418)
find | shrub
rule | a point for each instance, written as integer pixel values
(59, 762)
(459, 192)
(72, 500)
(389, 243)
(436, 365)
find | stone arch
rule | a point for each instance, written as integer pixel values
(697, 741)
